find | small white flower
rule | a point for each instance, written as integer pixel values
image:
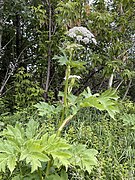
(82, 29)
(74, 76)
(90, 35)
(73, 30)
(79, 38)
(94, 40)
(86, 40)
(72, 34)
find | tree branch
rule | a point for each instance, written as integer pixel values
(129, 85)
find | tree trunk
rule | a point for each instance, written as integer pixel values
(1, 21)
(49, 50)
(18, 32)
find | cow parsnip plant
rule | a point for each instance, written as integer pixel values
(19, 144)
(48, 154)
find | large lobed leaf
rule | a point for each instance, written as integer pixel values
(106, 101)
(46, 109)
(8, 157)
(32, 151)
(31, 129)
(83, 157)
(58, 149)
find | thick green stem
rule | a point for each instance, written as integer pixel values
(66, 85)
(40, 174)
(65, 94)
(48, 167)
(63, 124)
(68, 69)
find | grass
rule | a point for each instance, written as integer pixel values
(114, 142)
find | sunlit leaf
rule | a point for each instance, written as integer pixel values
(31, 128)
(83, 157)
(11, 163)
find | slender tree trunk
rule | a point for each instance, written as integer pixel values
(1, 21)
(18, 32)
(49, 50)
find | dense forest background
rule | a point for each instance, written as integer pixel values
(33, 35)
(33, 31)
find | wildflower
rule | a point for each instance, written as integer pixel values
(72, 34)
(94, 40)
(85, 40)
(73, 76)
(90, 35)
(79, 37)
(82, 34)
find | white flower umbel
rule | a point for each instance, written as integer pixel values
(73, 76)
(82, 34)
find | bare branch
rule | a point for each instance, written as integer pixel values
(119, 84)
(10, 71)
(129, 85)
(8, 42)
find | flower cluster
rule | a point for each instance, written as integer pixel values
(82, 34)
(73, 76)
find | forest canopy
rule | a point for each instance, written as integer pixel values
(32, 32)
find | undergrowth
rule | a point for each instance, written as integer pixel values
(114, 142)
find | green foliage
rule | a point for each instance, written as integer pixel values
(27, 92)
(40, 14)
(20, 144)
(32, 152)
(63, 176)
(109, 22)
(57, 148)
(64, 59)
(19, 116)
(3, 106)
(105, 101)
(84, 158)
(47, 110)
(32, 33)
(68, 12)
(7, 157)
(129, 120)
(114, 142)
